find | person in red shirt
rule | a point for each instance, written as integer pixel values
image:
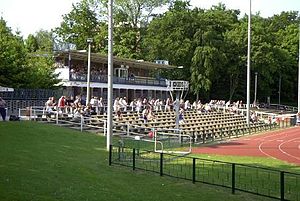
(61, 103)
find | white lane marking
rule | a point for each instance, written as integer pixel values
(261, 144)
(290, 155)
(260, 149)
(284, 133)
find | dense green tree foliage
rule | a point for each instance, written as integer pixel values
(26, 64)
(12, 58)
(210, 44)
(88, 19)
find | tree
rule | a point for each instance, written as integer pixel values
(12, 58)
(40, 73)
(18, 67)
(169, 37)
(210, 55)
(88, 20)
(42, 41)
(80, 24)
(39, 60)
(31, 43)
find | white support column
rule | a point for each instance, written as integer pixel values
(109, 75)
(255, 89)
(299, 72)
(248, 65)
(89, 40)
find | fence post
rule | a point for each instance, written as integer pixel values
(194, 170)
(30, 113)
(110, 155)
(34, 115)
(281, 185)
(119, 153)
(104, 129)
(127, 130)
(81, 123)
(161, 163)
(56, 117)
(133, 159)
(221, 133)
(233, 179)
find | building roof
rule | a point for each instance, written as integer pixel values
(99, 58)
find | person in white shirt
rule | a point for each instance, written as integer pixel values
(116, 104)
(132, 104)
(156, 105)
(124, 104)
(139, 105)
(168, 104)
(94, 104)
(100, 102)
(187, 105)
(49, 105)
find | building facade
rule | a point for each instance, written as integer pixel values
(131, 78)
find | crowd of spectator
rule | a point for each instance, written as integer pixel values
(145, 107)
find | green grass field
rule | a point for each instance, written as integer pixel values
(45, 162)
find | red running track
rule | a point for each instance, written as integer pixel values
(283, 145)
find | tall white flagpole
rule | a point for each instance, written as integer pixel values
(89, 40)
(299, 72)
(248, 65)
(109, 75)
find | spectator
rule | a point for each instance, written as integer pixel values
(119, 114)
(100, 106)
(156, 105)
(61, 103)
(49, 105)
(77, 102)
(168, 105)
(187, 105)
(69, 104)
(139, 105)
(145, 114)
(181, 116)
(253, 117)
(150, 115)
(298, 119)
(123, 103)
(94, 105)
(116, 104)
(2, 109)
(133, 104)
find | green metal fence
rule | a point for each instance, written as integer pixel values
(31, 94)
(238, 177)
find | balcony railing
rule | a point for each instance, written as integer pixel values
(136, 80)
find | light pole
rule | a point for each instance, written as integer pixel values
(279, 90)
(255, 89)
(89, 41)
(248, 66)
(109, 75)
(299, 72)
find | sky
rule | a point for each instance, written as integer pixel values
(30, 16)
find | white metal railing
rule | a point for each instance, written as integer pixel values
(177, 134)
